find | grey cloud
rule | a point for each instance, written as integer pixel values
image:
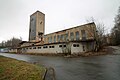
(60, 14)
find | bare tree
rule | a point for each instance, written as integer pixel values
(13, 42)
(97, 33)
(101, 34)
(115, 32)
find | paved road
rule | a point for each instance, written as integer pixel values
(105, 67)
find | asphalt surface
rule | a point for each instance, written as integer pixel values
(106, 67)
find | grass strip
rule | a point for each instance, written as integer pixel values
(12, 69)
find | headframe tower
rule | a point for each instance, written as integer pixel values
(37, 26)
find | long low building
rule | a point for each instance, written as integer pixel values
(74, 40)
(67, 47)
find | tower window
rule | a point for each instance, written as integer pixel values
(41, 22)
(31, 19)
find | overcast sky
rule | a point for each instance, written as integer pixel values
(59, 14)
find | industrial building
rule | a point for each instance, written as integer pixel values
(75, 40)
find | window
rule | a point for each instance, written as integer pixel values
(45, 47)
(30, 48)
(31, 19)
(58, 38)
(64, 45)
(62, 37)
(83, 33)
(75, 45)
(71, 36)
(34, 47)
(83, 48)
(66, 36)
(60, 45)
(34, 38)
(45, 39)
(41, 22)
(51, 39)
(51, 46)
(54, 39)
(48, 40)
(77, 35)
(39, 47)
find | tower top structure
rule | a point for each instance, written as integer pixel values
(37, 26)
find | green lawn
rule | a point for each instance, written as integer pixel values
(12, 69)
